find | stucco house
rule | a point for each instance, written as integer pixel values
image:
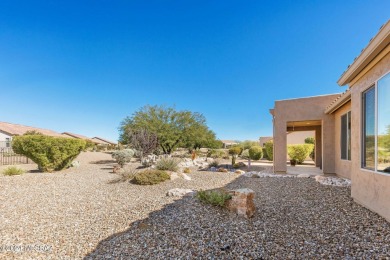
(8, 130)
(103, 141)
(352, 129)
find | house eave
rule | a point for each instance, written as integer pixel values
(368, 54)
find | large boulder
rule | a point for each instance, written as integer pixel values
(242, 202)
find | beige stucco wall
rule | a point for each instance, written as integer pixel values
(299, 137)
(343, 167)
(304, 109)
(368, 188)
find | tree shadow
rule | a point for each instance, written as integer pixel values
(103, 162)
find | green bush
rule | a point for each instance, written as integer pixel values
(245, 154)
(167, 164)
(151, 177)
(217, 153)
(234, 151)
(50, 153)
(309, 140)
(248, 144)
(265, 156)
(12, 170)
(299, 152)
(269, 148)
(123, 156)
(255, 153)
(214, 197)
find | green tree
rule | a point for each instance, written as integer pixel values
(234, 151)
(247, 144)
(173, 128)
(310, 140)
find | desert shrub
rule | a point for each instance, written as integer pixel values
(214, 197)
(214, 163)
(50, 153)
(12, 170)
(299, 152)
(123, 156)
(234, 151)
(217, 153)
(89, 145)
(248, 144)
(167, 164)
(245, 154)
(151, 177)
(256, 153)
(269, 147)
(187, 170)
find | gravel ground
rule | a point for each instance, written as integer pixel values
(297, 218)
(64, 215)
(80, 212)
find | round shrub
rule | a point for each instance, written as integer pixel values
(151, 177)
(299, 152)
(255, 153)
(123, 156)
(50, 153)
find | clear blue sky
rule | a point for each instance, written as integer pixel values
(82, 66)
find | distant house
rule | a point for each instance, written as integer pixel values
(264, 139)
(352, 129)
(9, 130)
(103, 141)
(228, 143)
(78, 136)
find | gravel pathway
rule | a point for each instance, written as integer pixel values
(80, 213)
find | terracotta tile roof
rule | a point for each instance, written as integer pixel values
(339, 101)
(16, 129)
(104, 141)
(78, 136)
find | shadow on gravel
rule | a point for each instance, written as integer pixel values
(103, 162)
(295, 218)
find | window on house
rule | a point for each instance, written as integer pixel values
(345, 141)
(376, 126)
(7, 142)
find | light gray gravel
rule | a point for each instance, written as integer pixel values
(64, 215)
(80, 213)
(297, 218)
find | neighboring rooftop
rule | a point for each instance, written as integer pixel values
(16, 129)
(104, 141)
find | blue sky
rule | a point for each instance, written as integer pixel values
(82, 66)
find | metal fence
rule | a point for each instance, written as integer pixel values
(8, 157)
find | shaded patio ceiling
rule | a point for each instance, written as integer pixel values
(304, 123)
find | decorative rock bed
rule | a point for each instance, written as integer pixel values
(333, 181)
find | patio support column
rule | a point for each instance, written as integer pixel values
(318, 147)
(280, 146)
(328, 144)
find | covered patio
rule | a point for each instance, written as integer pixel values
(304, 114)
